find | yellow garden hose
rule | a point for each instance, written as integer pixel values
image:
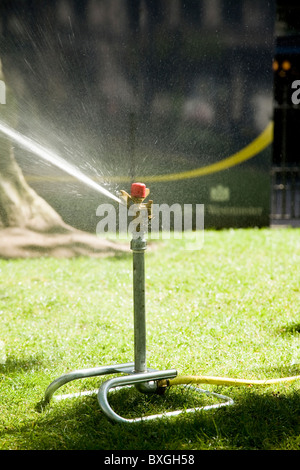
(198, 379)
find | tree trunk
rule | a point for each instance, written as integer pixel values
(20, 205)
(29, 226)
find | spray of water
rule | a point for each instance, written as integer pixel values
(55, 160)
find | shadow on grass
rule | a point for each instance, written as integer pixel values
(291, 329)
(14, 364)
(257, 421)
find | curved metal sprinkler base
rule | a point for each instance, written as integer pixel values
(129, 381)
(85, 373)
(145, 382)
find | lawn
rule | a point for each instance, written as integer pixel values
(230, 309)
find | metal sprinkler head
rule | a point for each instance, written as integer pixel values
(138, 193)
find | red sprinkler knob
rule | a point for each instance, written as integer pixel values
(138, 190)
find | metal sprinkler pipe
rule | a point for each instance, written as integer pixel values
(138, 246)
(138, 249)
(142, 212)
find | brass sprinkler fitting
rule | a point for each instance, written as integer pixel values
(139, 192)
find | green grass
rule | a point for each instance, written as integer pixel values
(230, 309)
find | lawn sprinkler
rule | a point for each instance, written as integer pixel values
(136, 373)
